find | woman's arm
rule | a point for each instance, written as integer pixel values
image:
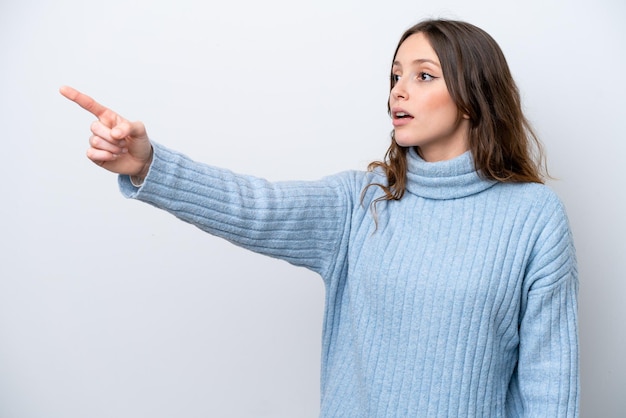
(302, 222)
(547, 375)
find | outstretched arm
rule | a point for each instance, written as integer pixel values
(117, 144)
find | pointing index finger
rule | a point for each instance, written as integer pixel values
(83, 101)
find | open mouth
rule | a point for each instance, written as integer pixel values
(401, 115)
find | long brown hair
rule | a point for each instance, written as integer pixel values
(503, 144)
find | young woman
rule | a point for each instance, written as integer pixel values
(449, 267)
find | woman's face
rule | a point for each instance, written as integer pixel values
(423, 113)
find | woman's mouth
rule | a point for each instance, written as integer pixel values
(400, 117)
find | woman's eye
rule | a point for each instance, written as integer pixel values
(425, 76)
(421, 76)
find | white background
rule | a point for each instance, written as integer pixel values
(110, 308)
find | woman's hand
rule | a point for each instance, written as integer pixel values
(118, 145)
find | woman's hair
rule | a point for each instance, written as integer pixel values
(501, 140)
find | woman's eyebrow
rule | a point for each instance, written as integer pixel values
(418, 61)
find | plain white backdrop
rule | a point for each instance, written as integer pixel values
(110, 308)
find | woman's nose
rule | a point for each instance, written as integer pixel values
(398, 91)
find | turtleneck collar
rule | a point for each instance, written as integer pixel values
(450, 179)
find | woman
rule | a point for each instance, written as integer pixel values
(449, 267)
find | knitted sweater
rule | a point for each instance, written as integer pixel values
(461, 302)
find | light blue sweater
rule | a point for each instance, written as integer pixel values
(461, 304)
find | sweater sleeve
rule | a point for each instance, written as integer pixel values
(300, 222)
(547, 375)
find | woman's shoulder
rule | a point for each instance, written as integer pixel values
(357, 180)
(539, 207)
(536, 194)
